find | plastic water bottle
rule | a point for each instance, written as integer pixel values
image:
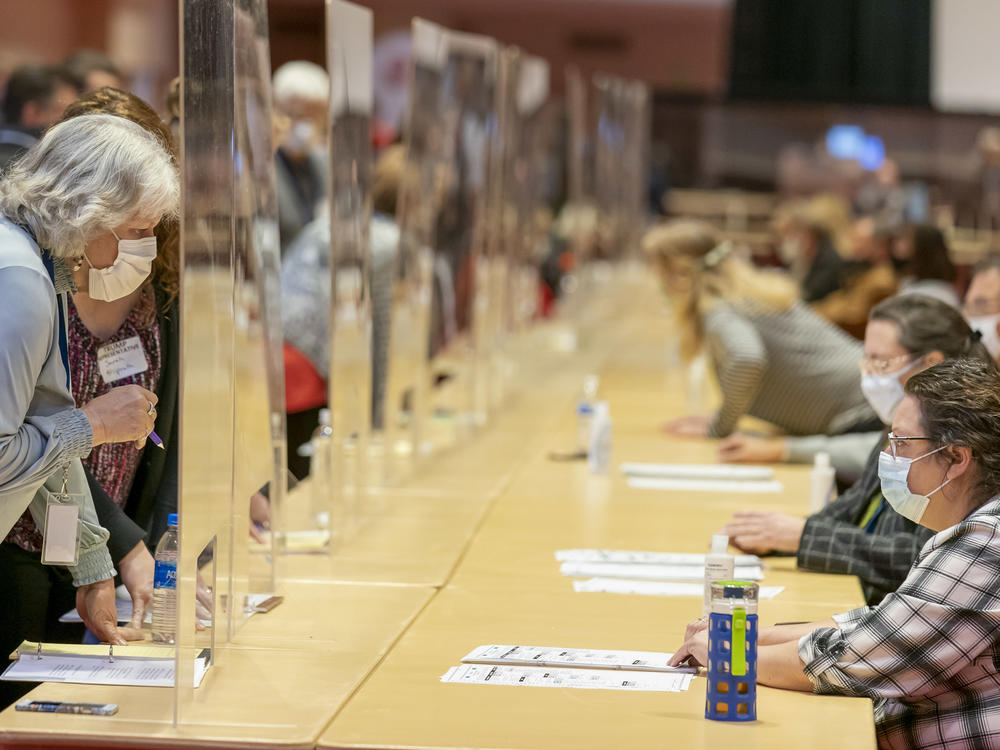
(585, 412)
(165, 585)
(599, 450)
(321, 470)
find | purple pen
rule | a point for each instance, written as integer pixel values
(156, 441)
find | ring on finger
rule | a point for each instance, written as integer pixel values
(151, 410)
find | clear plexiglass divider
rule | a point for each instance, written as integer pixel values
(232, 427)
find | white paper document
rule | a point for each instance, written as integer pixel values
(644, 558)
(591, 679)
(99, 669)
(653, 572)
(544, 656)
(697, 471)
(655, 588)
(705, 485)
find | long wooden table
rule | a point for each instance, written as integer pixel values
(462, 554)
(508, 589)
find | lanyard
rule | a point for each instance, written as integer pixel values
(870, 526)
(49, 263)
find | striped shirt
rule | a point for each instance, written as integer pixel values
(929, 654)
(790, 368)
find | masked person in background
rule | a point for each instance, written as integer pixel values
(860, 533)
(76, 210)
(301, 93)
(982, 302)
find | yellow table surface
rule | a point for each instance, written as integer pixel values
(277, 685)
(459, 554)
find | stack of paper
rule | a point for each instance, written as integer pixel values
(656, 588)
(650, 573)
(697, 471)
(134, 666)
(652, 558)
(592, 679)
(594, 669)
(701, 477)
(653, 572)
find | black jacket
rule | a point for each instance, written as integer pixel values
(154, 489)
(832, 541)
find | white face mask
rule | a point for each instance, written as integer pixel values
(893, 474)
(884, 392)
(987, 326)
(300, 138)
(126, 274)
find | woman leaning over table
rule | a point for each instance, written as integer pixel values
(771, 353)
(929, 654)
(71, 209)
(125, 483)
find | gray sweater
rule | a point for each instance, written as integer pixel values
(791, 368)
(41, 430)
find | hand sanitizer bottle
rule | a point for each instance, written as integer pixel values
(821, 478)
(719, 566)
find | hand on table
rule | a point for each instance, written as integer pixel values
(204, 601)
(693, 427)
(695, 645)
(136, 570)
(757, 532)
(260, 515)
(96, 604)
(739, 448)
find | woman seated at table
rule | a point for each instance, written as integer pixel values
(772, 354)
(929, 654)
(859, 534)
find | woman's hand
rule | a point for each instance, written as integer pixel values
(757, 533)
(136, 570)
(260, 515)
(122, 415)
(693, 427)
(744, 449)
(96, 604)
(695, 646)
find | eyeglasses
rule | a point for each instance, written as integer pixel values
(897, 441)
(883, 366)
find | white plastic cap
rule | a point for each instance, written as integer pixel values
(590, 385)
(325, 418)
(720, 544)
(821, 460)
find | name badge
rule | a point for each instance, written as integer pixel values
(121, 359)
(61, 529)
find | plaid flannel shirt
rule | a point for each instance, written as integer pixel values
(832, 541)
(929, 654)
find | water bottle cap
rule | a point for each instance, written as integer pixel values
(171, 519)
(822, 460)
(729, 595)
(325, 418)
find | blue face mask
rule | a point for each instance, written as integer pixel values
(893, 474)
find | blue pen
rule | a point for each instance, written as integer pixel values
(156, 441)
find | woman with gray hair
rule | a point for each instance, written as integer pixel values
(76, 213)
